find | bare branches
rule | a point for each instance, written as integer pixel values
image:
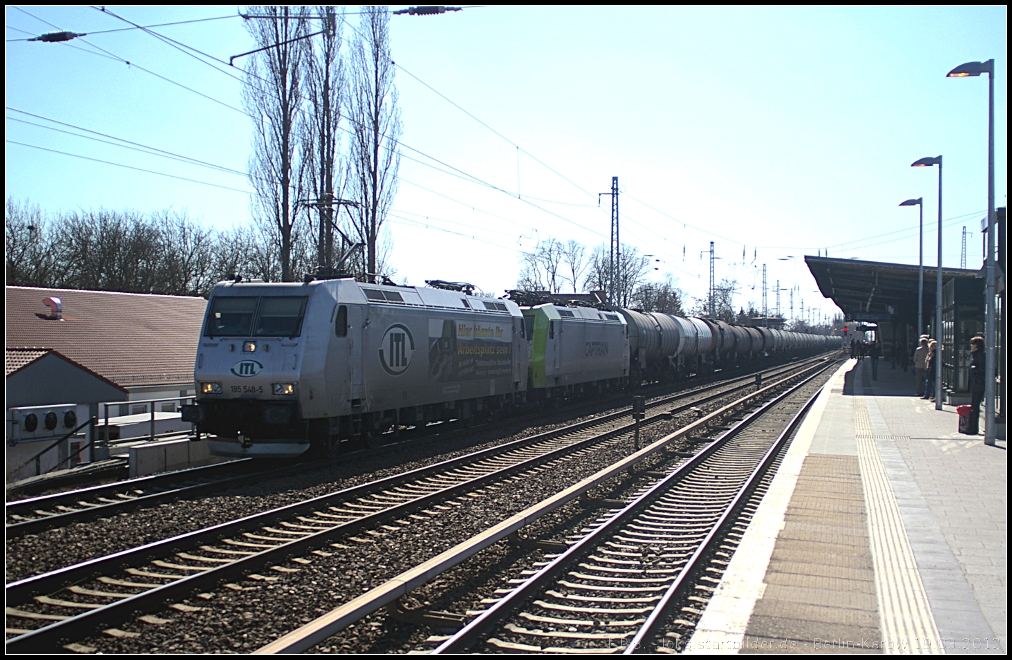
(573, 257)
(28, 245)
(662, 297)
(723, 302)
(376, 124)
(273, 95)
(325, 84)
(542, 270)
(164, 252)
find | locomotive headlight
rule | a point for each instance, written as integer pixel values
(210, 388)
(283, 389)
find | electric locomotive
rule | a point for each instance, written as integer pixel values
(281, 367)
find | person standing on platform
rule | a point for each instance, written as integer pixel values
(875, 352)
(929, 372)
(920, 364)
(976, 384)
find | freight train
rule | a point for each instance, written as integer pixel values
(282, 367)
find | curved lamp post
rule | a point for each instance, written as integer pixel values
(919, 202)
(990, 363)
(928, 162)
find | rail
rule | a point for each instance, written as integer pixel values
(323, 627)
(315, 521)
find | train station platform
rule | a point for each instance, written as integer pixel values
(883, 531)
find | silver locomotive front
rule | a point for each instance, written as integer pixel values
(247, 370)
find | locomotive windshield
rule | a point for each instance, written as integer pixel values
(256, 317)
(231, 317)
(280, 317)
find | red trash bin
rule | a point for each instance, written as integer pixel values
(964, 417)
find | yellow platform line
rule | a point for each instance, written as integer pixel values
(905, 617)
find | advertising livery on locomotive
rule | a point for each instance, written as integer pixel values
(281, 367)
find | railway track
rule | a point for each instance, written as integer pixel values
(391, 591)
(36, 514)
(613, 590)
(71, 603)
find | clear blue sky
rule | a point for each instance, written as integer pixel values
(774, 132)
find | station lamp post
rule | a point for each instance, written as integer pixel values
(928, 162)
(990, 326)
(919, 202)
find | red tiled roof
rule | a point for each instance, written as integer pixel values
(131, 339)
(16, 358)
(19, 358)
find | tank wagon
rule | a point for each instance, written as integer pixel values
(283, 367)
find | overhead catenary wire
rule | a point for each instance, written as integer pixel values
(129, 167)
(114, 141)
(142, 27)
(183, 48)
(428, 225)
(396, 142)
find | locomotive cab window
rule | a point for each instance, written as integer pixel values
(341, 324)
(551, 329)
(280, 316)
(231, 317)
(529, 327)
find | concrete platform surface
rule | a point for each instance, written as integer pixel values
(884, 531)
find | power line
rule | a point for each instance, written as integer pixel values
(142, 27)
(106, 53)
(83, 50)
(429, 216)
(181, 47)
(457, 201)
(396, 142)
(136, 146)
(905, 229)
(81, 38)
(508, 141)
(129, 167)
(682, 222)
(397, 219)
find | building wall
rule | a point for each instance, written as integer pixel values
(52, 380)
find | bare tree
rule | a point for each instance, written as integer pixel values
(187, 256)
(325, 85)
(550, 255)
(273, 96)
(723, 302)
(247, 252)
(30, 252)
(662, 297)
(632, 269)
(531, 277)
(542, 267)
(597, 277)
(573, 257)
(376, 124)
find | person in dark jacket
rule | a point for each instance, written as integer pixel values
(930, 371)
(874, 353)
(976, 383)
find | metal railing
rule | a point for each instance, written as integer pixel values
(104, 437)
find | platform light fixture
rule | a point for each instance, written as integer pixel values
(965, 70)
(929, 162)
(920, 264)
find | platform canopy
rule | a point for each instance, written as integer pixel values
(876, 290)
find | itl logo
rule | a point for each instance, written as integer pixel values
(396, 349)
(247, 368)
